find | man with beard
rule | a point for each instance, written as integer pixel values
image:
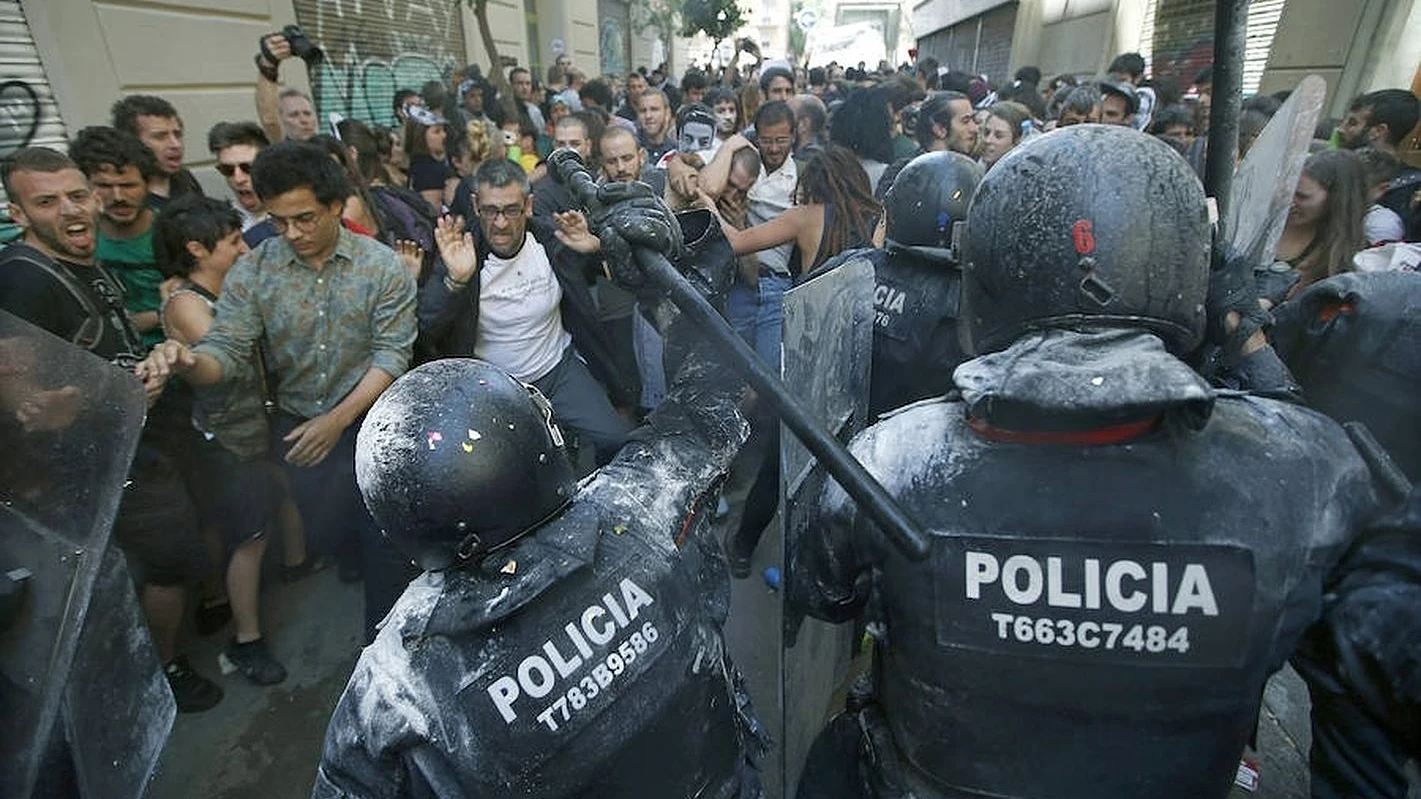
(755, 307)
(946, 122)
(1381, 119)
(51, 280)
(156, 123)
(119, 167)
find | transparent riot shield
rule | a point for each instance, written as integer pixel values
(828, 340)
(78, 676)
(1264, 184)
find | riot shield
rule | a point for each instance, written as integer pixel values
(69, 423)
(1264, 184)
(828, 344)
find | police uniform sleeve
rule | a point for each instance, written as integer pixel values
(379, 728)
(1362, 664)
(825, 565)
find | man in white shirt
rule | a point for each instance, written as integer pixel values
(502, 301)
(754, 310)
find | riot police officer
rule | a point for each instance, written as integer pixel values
(917, 280)
(565, 640)
(1352, 342)
(1121, 554)
(915, 300)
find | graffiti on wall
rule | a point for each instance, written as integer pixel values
(377, 47)
(20, 112)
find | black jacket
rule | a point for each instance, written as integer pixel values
(449, 321)
(584, 661)
(1121, 556)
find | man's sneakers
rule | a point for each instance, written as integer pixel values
(193, 692)
(253, 660)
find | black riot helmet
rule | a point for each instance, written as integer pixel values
(1091, 226)
(929, 198)
(458, 458)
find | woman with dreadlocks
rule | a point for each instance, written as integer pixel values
(834, 211)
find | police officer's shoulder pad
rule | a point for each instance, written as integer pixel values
(948, 398)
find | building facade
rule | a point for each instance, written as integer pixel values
(67, 61)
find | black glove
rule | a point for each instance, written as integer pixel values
(1232, 289)
(1275, 281)
(631, 215)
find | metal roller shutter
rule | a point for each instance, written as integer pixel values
(375, 47)
(1179, 36)
(28, 113)
(979, 45)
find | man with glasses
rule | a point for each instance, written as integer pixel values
(336, 313)
(755, 303)
(510, 299)
(235, 145)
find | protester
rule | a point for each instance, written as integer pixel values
(199, 239)
(51, 279)
(336, 311)
(1325, 222)
(156, 123)
(1006, 122)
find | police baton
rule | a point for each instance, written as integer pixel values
(569, 170)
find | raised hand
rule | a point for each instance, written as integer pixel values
(574, 232)
(411, 255)
(456, 248)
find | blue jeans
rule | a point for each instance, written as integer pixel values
(757, 314)
(650, 358)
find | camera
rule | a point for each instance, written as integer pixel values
(302, 47)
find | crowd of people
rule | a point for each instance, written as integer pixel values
(266, 325)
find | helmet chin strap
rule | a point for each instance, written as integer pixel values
(470, 545)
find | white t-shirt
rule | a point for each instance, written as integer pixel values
(771, 195)
(520, 324)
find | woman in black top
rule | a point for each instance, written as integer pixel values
(430, 173)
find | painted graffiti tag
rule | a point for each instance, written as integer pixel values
(19, 115)
(376, 47)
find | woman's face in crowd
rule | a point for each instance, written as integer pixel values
(996, 139)
(1309, 203)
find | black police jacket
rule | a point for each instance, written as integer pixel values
(1120, 558)
(584, 661)
(916, 295)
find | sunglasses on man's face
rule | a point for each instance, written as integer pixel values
(228, 170)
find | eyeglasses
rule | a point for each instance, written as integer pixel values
(489, 213)
(228, 170)
(303, 222)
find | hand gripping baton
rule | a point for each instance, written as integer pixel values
(569, 170)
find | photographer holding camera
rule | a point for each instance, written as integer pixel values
(285, 113)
